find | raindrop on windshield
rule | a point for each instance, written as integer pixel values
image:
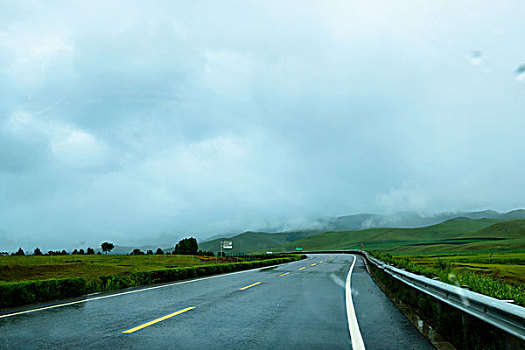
(476, 57)
(520, 73)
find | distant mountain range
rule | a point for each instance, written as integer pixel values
(261, 241)
(452, 236)
(251, 241)
(411, 219)
(257, 241)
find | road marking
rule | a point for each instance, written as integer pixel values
(138, 328)
(128, 292)
(313, 264)
(251, 285)
(302, 268)
(366, 265)
(353, 326)
(284, 274)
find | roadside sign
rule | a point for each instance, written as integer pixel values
(299, 248)
(227, 245)
(269, 252)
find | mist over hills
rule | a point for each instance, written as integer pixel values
(411, 219)
(452, 236)
(259, 241)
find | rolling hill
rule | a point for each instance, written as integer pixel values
(463, 231)
(389, 238)
(257, 241)
(410, 219)
(456, 235)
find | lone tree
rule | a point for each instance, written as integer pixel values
(136, 251)
(20, 252)
(107, 247)
(159, 251)
(187, 246)
(90, 251)
(37, 251)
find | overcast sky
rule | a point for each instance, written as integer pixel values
(140, 122)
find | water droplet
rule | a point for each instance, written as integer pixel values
(476, 57)
(520, 73)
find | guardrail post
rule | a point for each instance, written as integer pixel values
(413, 295)
(466, 322)
(438, 307)
(511, 342)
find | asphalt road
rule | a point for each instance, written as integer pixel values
(297, 305)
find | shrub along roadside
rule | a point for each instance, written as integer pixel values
(27, 292)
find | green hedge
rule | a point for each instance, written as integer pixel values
(27, 292)
(21, 293)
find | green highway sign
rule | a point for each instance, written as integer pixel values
(299, 248)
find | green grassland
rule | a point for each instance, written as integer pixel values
(31, 279)
(456, 235)
(501, 278)
(25, 268)
(506, 267)
(259, 242)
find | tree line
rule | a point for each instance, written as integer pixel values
(38, 252)
(186, 246)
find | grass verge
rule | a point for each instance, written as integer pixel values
(20, 293)
(444, 270)
(461, 330)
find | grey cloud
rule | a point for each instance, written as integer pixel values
(140, 123)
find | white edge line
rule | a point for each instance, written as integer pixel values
(366, 265)
(353, 326)
(132, 291)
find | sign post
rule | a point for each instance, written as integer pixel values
(226, 245)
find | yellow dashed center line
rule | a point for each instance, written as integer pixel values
(158, 320)
(251, 285)
(284, 274)
(313, 264)
(302, 268)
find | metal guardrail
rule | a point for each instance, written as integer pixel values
(508, 317)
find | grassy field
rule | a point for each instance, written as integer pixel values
(456, 235)
(31, 279)
(506, 267)
(501, 278)
(258, 241)
(25, 268)
(460, 234)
